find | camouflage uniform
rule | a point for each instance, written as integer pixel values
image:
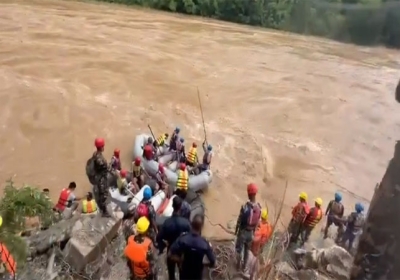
(101, 187)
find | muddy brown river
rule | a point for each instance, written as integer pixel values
(276, 105)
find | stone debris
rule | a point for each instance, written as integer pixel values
(90, 238)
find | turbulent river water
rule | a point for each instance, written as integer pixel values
(277, 106)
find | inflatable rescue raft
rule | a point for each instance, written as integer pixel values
(196, 182)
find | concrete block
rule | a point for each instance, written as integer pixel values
(91, 236)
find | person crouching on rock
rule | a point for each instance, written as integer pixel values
(89, 204)
(249, 216)
(146, 209)
(67, 199)
(140, 253)
(312, 219)
(148, 150)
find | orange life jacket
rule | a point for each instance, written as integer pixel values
(8, 260)
(300, 211)
(261, 237)
(313, 217)
(63, 199)
(136, 253)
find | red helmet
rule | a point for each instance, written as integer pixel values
(194, 145)
(116, 152)
(123, 173)
(252, 189)
(137, 161)
(161, 168)
(99, 143)
(182, 166)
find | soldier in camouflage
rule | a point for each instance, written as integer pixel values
(101, 170)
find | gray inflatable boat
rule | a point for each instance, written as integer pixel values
(196, 182)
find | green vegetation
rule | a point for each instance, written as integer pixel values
(366, 22)
(17, 204)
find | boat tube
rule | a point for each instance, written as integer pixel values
(126, 202)
(196, 182)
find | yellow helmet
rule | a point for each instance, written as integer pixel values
(318, 201)
(264, 214)
(1, 220)
(303, 195)
(142, 225)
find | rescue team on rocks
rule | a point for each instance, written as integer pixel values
(181, 237)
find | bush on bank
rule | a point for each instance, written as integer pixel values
(17, 204)
(366, 22)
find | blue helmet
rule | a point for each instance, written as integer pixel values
(147, 193)
(209, 147)
(359, 207)
(177, 129)
(338, 197)
(182, 140)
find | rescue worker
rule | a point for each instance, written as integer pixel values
(161, 177)
(67, 199)
(171, 229)
(189, 251)
(101, 169)
(137, 173)
(191, 159)
(148, 150)
(262, 234)
(8, 265)
(174, 138)
(180, 150)
(146, 209)
(139, 252)
(122, 183)
(205, 165)
(335, 212)
(89, 204)
(249, 216)
(161, 141)
(354, 225)
(115, 163)
(312, 219)
(186, 208)
(299, 213)
(182, 182)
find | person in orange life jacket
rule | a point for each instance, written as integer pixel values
(137, 173)
(207, 157)
(7, 263)
(262, 234)
(299, 213)
(89, 204)
(68, 199)
(312, 219)
(189, 251)
(115, 163)
(172, 228)
(174, 138)
(191, 158)
(335, 212)
(146, 209)
(140, 253)
(248, 219)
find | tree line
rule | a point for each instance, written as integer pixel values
(364, 22)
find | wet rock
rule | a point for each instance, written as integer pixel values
(91, 238)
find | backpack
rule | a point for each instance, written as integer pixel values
(142, 210)
(90, 170)
(254, 215)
